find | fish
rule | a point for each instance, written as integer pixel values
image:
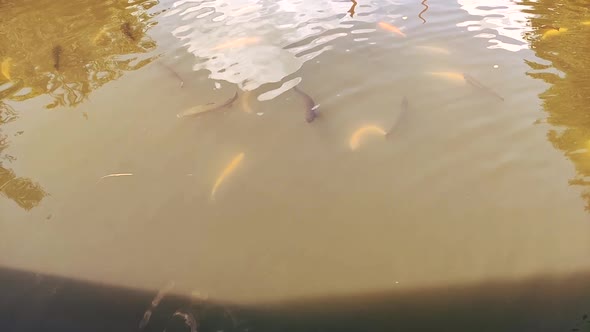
(311, 108)
(553, 32)
(57, 50)
(5, 67)
(352, 7)
(127, 31)
(404, 110)
(154, 304)
(245, 102)
(449, 75)
(391, 28)
(173, 72)
(189, 319)
(100, 36)
(471, 80)
(354, 141)
(434, 49)
(116, 175)
(226, 172)
(202, 109)
(240, 42)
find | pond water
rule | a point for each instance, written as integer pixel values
(427, 144)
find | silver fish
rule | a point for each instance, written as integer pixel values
(311, 108)
(202, 109)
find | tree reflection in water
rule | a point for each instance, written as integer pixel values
(567, 100)
(64, 51)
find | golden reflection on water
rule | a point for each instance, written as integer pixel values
(567, 100)
(68, 51)
(65, 52)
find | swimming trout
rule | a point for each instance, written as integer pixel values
(471, 80)
(311, 109)
(404, 110)
(202, 109)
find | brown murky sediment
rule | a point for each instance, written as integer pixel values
(471, 192)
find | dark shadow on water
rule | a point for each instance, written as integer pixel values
(33, 302)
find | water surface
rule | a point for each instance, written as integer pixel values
(468, 189)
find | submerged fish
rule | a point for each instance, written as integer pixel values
(449, 75)
(553, 32)
(57, 50)
(226, 172)
(173, 72)
(391, 28)
(202, 109)
(245, 102)
(311, 108)
(354, 141)
(237, 43)
(471, 80)
(127, 31)
(5, 67)
(189, 319)
(434, 49)
(404, 110)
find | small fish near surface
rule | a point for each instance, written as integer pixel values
(230, 168)
(471, 80)
(311, 108)
(57, 51)
(391, 28)
(403, 111)
(207, 108)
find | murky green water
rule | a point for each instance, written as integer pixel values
(483, 177)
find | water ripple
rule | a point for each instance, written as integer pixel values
(505, 18)
(251, 43)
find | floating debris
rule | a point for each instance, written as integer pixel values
(57, 51)
(310, 106)
(226, 172)
(391, 28)
(5, 67)
(201, 109)
(359, 133)
(260, 113)
(189, 319)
